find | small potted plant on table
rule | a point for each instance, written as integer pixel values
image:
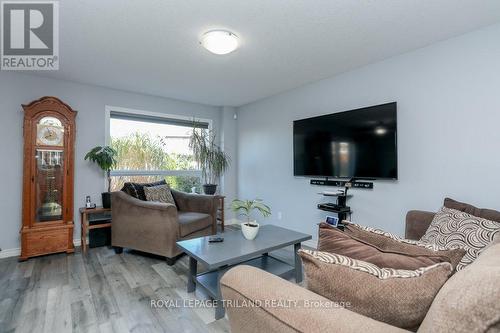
(250, 227)
(105, 158)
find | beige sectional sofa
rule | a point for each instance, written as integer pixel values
(468, 302)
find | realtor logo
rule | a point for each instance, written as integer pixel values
(30, 35)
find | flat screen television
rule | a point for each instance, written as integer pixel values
(360, 143)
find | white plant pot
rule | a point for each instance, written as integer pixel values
(250, 232)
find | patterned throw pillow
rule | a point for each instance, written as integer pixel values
(398, 297)
(363, 266)
(137, 189)
(455, 229)
(160, 193)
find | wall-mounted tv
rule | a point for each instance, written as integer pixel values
(359, 143)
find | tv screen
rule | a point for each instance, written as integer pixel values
(358, 143)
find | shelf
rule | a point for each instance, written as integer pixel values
(334, 195)
(99, 226)
(334, 210)
(94, 210)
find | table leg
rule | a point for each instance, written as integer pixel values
(298, 263)
(84, 233)
(193, 265)
(219, 310)
(222, 214)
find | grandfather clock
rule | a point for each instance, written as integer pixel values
(49, 136)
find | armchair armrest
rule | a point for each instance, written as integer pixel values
(144, 225)
(198, 203)
(266, 297)
(417, 223)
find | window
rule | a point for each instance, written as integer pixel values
(151, 148)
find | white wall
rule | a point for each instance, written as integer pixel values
(448, 98)
(90, 101)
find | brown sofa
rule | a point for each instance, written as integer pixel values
(155, 227)
(468, 301)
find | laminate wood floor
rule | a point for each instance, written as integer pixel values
(102, 292)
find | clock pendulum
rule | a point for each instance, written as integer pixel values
(50, 208)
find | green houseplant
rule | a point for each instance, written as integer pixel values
(250, 227)
(211, 160)
(105, 158)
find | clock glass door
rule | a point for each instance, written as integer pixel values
(49, 175)
(49, 185)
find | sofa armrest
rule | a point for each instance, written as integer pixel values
(257, 301)
(143, 225)
(417, 223)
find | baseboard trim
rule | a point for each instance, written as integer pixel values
(313, 243)
(16, 252)
(7, 253)
(232, 221)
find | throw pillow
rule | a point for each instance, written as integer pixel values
(468, 302)
(398, 297)
(160, 193)
(382, 250)
(452, 228)
(488, 214)
(391, 242)
(137, 189)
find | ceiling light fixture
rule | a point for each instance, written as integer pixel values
(219, 41)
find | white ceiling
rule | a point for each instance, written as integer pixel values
(151, 46)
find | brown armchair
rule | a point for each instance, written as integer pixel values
(155, 227)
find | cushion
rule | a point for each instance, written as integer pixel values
(397, 297)
(160, 193)
(190, 222)
(469, 301)
(488, 214)
(137, 189)
(378, 248)
(452, 228)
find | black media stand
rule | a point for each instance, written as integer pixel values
(338, 208)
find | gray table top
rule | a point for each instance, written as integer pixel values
(236, 248)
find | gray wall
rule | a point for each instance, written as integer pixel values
(17, 89)
(229, 143)
(448, 140)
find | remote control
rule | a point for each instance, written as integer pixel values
(215, 239)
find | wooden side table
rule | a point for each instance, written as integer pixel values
(85, 227)
(220, 212)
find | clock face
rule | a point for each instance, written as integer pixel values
(50, 133)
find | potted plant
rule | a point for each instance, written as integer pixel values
(105, 158)
(250, 227)
(211, 160)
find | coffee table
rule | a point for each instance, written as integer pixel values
(236, 250)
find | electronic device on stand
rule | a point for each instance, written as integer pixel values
(339, 207)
